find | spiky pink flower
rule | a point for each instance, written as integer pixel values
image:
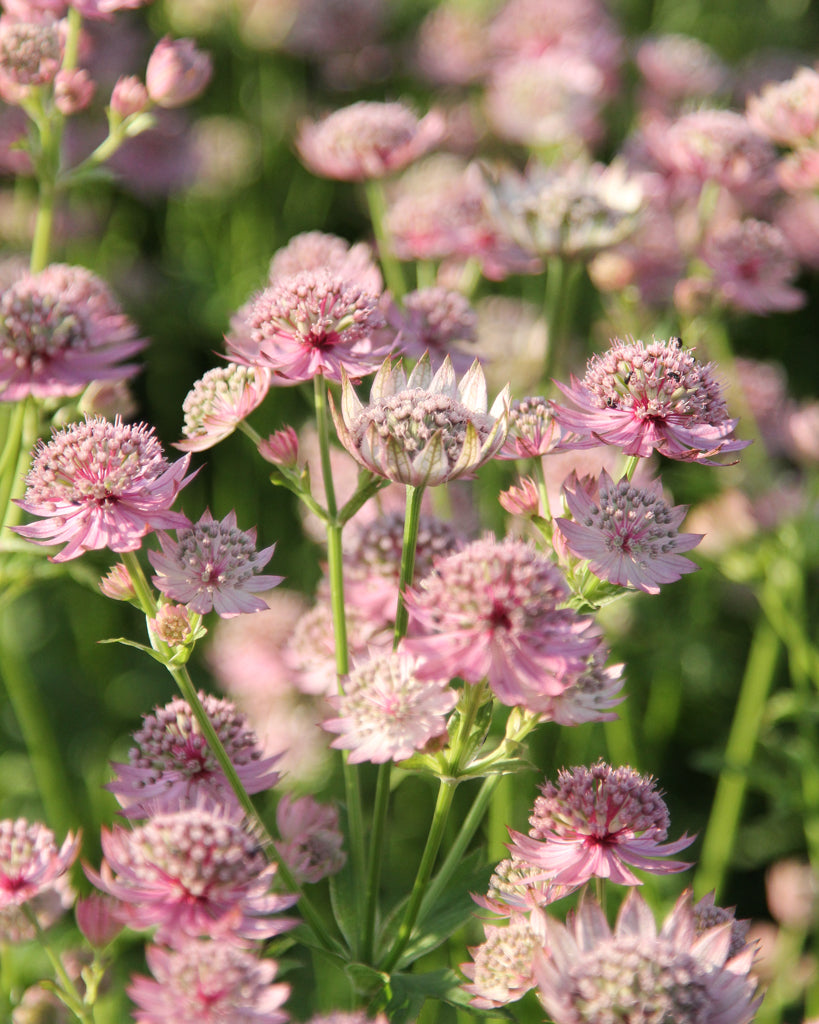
(629, 535)
(523, 500)
(281, 448)
(317, 250)
(59, 330)
(670, 974)
(592, 696)
(310, 323)
(99, 484)
(208, 983)
(423, 429)
(788, 112)
(532, 429)
(491, 611)
(367, 140)
(30, 55)
(193, 872)
(502, 967)
(219, 402)
(310, 839)
(171, 764)
(435, 320)
(595, 823)
(32, 866)
(213, 565)
(387, 712)
(644, 398)
(676, 68)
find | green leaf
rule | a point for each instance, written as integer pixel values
(367, 980)
(409, 992)
(345, 906)
(132, 643)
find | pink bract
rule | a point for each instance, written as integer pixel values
(213, 565)
(99, 484)
(644, 398)
(599, 822)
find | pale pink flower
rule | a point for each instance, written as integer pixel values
(99, 484)
(788, 112)
(30, 55)
(213, 565)
(677, 68)
(177, 72)
(386, 712)
(171, 625)
(671, 974)
(193, 872)
(220, 401)
(73, 90)
(643, 398)
(367, 140)
(502, 967)
(33, 871)
(312, 323)
(532, 429)
(629, 535)
(754, 267)
(117, 584)
(171, 765)
(599, 822)
(435, 320)
(317, 250)
(59, 330)
(208, 983)
(592, 696)
(797, 217)
(346, 1017)
(310, 839)
(491, 611)
(423, 429)
(519, 888)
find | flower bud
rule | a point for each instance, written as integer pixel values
(73, 90)
(177, 72)
(97, 919)
(172, 624)
(129, 96)
(117, 584)
(281, 448)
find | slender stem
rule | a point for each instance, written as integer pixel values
(542, 489)
(554, 287)
(632, 462)
(411, 518)
(443, 804)
(723, 821)
(382, 800)
(183, 681)
(393, 271)
(13, 448)
(70, 996)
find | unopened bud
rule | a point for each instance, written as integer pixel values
(281, 448)
(129, 96)
(73, 91)
(177, 72)
(117, 584)
(172, 624)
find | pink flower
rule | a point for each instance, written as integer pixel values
(220, 401)
(435, 320)
(310, 839)
(32, 866)
(316, 250)
(171, 765)
(172, 624)
(643, 398)
(386, 712)
(491, 611)
(73, 91)
(30, 55)
(532, 429)
(788, 112)
(98, 919)
(502, 970)
(117, 584)
(59, 330)
(595, 823)
(314, 322)
(177, 72)
(668, 975)
(367, 140)
(193, 872)
(129, 96)
(100, 484)
(519, 888)
(281, 448)
(592, 696)
(208, 983)
(213, 565)
(628, 534)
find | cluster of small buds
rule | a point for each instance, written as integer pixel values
(30, 55)
(219, 401)
(213, 565)
(171, 764)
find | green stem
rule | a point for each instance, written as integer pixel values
(720, 833)
(632, 462)
(411, 518)
(15, 448)
(69, 995)
(393, 271)
(382, 800)
(542, 489)
(555, 271)
(443, 805)
(183, 681)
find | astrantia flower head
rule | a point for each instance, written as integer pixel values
(30, 55)
(672, 974)
(387, 713)
(99, 484)
(171, 765)
(532, 430)
(310, 323)
(193, 872)
(592, 696)
(595, 823)
(219, 402)
(213, 565)
(59, 330)
(788, 112)
(425, 429)
(491, 611)
(644, 398)
(317, 250)
(629, 535)
(435, 320)
(310, 839)
(208, 983)
(501, 971)
(517, 887)
(31, 863)
(367, 140)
